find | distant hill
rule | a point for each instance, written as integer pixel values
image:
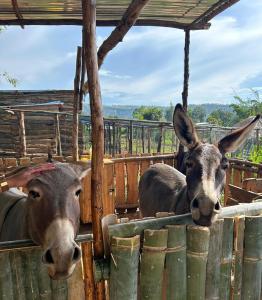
(126, 111)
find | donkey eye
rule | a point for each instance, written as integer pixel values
(34, 194)
(224, 166)
(78, 193)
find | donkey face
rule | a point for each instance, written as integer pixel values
(53, 217)
(206, 166)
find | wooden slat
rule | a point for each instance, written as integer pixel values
(228, 180)
(85, 200)
(237, 177)
(10, 162)
(120, 195)
(132, 182)
(108, 190)
(253, 185)
(144, 165)
(240, 195)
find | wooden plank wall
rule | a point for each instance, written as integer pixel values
(40, 127)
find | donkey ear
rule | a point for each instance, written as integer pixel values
(231, 142)
(81, 169)
(184, 128)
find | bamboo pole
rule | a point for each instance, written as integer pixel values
(214, 261)
(176, 262)
(152, 264)
(197, 252)
(239, 228)
(21, 121)
(89, 23)
(252, 264)
(124, 268)
(159, 144)
(226, 259)
(131, 137)
(75, 150)
(186, 69)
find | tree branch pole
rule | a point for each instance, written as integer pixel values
(89, 23)
(180, 154)
(76, 106)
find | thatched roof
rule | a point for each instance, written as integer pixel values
(193, 14)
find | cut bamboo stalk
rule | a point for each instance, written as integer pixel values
(239, 228)
(252, 264)
(176, 262)
(152, 264)
(226, 259)
(6, 286)
(214, 260)
(197, 252)
(124, 268)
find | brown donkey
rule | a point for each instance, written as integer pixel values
(163, 188)
(49, 215)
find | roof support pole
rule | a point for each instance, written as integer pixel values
(186, 69)
(89, 23)
(76, 106)
(180, 154)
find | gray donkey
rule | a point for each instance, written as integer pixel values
(49, 215)
(163, 188)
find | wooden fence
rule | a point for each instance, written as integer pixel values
(122, 174)
(180, 261)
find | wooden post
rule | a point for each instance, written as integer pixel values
(143, 139)
(114, 139)
(21, 122)
(186, 69)
(131, 137)
(83, 72)
(148, 140)
(159, 145)
(76, 106)
(89, 23)
(58, 135)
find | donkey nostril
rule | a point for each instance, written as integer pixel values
(76, 254)
(48, 259)
(217, 206)
(195, 203)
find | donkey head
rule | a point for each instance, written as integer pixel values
(206, 166)
(53, 216)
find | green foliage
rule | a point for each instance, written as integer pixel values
(9, 79)
(247, 107)
(221, 118)
(197, 113)
(148, 113)
(256, 155)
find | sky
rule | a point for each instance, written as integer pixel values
(147, 67)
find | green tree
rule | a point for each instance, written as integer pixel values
(221, 117)
(247, 107)
(148, 113)
(197, 113)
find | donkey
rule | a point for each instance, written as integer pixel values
(163, 188)
(49, 215)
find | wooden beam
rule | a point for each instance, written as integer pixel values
(89, 20)
(128, 20)
(21, 122)
(186, 69)
(83, 72)
(75, 150)
(106, 23)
